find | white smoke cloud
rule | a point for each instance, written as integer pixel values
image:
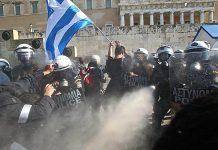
(123, 127)
(125, 123)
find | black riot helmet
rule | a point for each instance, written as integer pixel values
(24, 53)
(164, 52)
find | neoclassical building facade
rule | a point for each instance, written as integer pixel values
(25, 14)
(160, 12)
(136, 23)
(31, 15)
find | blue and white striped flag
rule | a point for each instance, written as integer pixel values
(64, 20)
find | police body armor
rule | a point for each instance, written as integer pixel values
(191, 79)
(69, 94)
(21, 71)
(11, 130)
(6, 137)
(160, 79)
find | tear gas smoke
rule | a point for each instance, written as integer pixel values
(40, 59)
(120, 128)
(123, 127)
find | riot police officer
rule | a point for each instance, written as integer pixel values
(160, 79)
(200, 72)
(197, 58)
(115, 68)
(24, 53)
(70, 89)
(197, 51)
(140, 71)
(10, 100)
(14, 112)
(139, 59)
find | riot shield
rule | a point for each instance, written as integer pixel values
(139, 75)
(134, 81)
(192, 75)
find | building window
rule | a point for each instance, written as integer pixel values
(1, 10)
(187, 22)
(17, 8)
(109, 25)
(136, 23)
(34, 7)
(89, 4)
(108, 3)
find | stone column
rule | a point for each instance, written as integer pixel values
(171, 17)
(141, 19)
(151, 18)
(131, 19)
(192, 17)
(161, 18)
(122, 20)
(202, 17)
(182, 18)
(211, 16)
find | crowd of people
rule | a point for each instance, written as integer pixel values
(29, 93)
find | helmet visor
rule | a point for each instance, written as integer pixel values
(163, 56)
(24, 57)
(196, 50)
(197, 56)
(140, 57)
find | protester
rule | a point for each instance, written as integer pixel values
(115, 67)
(93, 78)
(82, 65)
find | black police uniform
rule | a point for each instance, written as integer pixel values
(200, 77)
(160, 78)
(69, 90)
(140, 80)
(23, 70)
(70, 93)
(13, 113)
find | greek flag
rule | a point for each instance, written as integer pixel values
(64, 20)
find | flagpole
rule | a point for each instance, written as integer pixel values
(102, 33)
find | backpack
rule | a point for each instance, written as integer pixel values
(86, 77)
